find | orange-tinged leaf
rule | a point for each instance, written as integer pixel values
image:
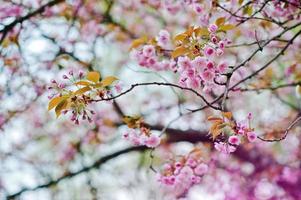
(220, 21)
(179, 51)
(189, 31)
(201, 31)
(221, 126)
(108, 81)
(55, 101)
(215, 131)
(180, 37)
(131, 122)
(84, 83)
(211, 118)
(60, 107)
(228, 115)
(226, 27)
(82, 90)
(137, 42)
(93, 76)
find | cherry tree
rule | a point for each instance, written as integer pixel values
(150, 99)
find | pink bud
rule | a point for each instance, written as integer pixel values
(197, 8)
(249, 116)
(81, 74)
(62, 85)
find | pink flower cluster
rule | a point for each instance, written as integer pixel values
(140, 137)
(78, 109)
(182, 175)
(148, 57)
(243, 129)
(202, 71)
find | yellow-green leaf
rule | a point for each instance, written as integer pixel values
(220, 21)
(60, 107)
(136, 43)
(82, 90)
(84, 83)
(131, 122)
(180, 37)
(248, 10)
(179, 51)
(55, 101)
(108, 81)
(93, 76)
(226, 27)
(201, 31)
(228, 115)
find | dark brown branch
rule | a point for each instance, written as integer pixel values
(268, 63)
(285, 132)
(159, 84)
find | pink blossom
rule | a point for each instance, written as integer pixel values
(201, 169)
(153, 141)
(118, 87)
(199, 63)
(221, 44)
(251, 136)
(222, 68)
(148, 50)
(234, 140)
(194, 83)
(212, 28)
(184, 63)
(207, 75)
(219, 52)
(163, 38)
(209, 51)
(191, 162)
(213, 39)
(210, 65)
(224, 148)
